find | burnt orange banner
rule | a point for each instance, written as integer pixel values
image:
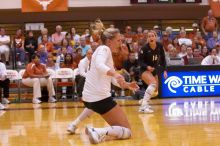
(44, 5)
(215, 6)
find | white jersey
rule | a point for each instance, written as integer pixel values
(98, 84)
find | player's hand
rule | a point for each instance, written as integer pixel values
(131, 86)
(151, 69)
(119, 78)
(47, 75)
(165, 74)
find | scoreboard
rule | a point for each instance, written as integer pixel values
(163, 1)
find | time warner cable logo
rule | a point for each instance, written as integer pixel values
(193, 84)
(173, 82)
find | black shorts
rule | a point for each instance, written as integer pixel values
(102, 106)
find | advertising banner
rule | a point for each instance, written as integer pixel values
(191, 83)
(44, 5)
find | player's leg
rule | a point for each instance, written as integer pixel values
(150, 80)
(119, 126)
(86, 113)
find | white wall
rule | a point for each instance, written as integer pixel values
(93, 3)
(16, 4)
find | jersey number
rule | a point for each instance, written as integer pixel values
(155, 57)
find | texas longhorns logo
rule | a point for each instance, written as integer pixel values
(216, 1)
(44, 3)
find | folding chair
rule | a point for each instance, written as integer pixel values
(14, 78)
(75, 73)
(64, 73)
(51, 72)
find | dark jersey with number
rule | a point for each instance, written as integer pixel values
(154, 58)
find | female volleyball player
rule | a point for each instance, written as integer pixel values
(96, 94)
(152, 62)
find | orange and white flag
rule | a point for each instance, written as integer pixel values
(44, 5)
(215, 6)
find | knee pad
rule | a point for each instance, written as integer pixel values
(151, 88)
(126, 133)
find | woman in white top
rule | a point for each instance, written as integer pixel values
(96, 93)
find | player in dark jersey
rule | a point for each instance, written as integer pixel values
(152, 61)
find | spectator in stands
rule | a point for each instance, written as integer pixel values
(211, 59)
(158, 31)
(50, 62)
(77, 56)
(44, 31)
(169, 31)
(83, 68)
(217, 46)
(30, 44)
(65, 44)
(57, 37)
(197, 53)
(182, 34)
(86, 32)
(48, 45)
(135, 48)
(139, 33)
(87, 36)
(111, 26)
(165, 41)
(84, 46)
(61, 57)
(199, 42)
(129, 35)
(182, 50)
(182, 28)
(192, 34)
(209, 25)
(182, 38)
(36, 76)
(211, 43)
(68, 62)
(74, 36)
(188, 56)
(42, 54)
(70, 41)
(145, 32)
(132, 67)
(4, 45)
(4, 83)
(18, 43)
(204, 51)
(172, 58)
(197, 57)
(176, 45)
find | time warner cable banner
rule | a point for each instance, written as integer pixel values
(191, 83)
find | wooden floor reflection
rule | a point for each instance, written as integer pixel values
(176, 122)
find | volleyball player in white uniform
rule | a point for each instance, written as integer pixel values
(96, 93)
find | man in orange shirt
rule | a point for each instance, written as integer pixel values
(209, 24)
